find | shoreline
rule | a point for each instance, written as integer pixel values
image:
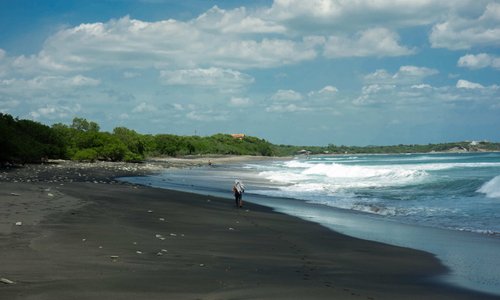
(212, 249)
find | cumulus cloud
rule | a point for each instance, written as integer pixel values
(53, 111)
(206, 77)
(43, 85)
(131, 43)
(325, 92)
(286, 95)
(208, 115)
(239, 101)
(370, 42)
(479, 61)
(80, 80)
(404, 76)
(129, 75)
(237, 21)
(464, 84)
(421, 86)
(464, 32)
(236, 39)
(402, 87)
(144, 107)
(285, 101)
(425, 95)
(282, 108)
(327, 14)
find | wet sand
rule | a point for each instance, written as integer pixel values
(89, 237)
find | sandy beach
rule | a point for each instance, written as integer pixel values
(70, 231)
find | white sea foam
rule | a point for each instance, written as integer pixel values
(435, 191)
(284, 176)
(333, 176)
(491, 188)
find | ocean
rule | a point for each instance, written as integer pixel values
(445, 204)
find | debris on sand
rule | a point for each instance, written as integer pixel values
(6, 281)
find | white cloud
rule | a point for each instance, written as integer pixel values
(479, 61)
(206, 77)
(130, 75)
(421, 86)
(240, 38)
(178, 106)
(236, 21)
(144, 107)
(239, 101)
(286, 95)
(464, 84)
(80, 80)
(465, 32)
(328, 90)
(208, 115)
(46, 85)
(53, 111)
(371, 42)
(129, 43)
(325, 92)
(377, 88)
(286, 108)
(265, 53)
(406, 75)
(339, 14)
(425, 95)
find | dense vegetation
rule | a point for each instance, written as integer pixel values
(23, 141)
(27, 141)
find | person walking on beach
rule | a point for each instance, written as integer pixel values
(238, 189)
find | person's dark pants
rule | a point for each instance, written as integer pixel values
(237, 199)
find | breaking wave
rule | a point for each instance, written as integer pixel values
(491, 188)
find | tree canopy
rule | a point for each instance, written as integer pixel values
(24, 141)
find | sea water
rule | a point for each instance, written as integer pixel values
(446, 204)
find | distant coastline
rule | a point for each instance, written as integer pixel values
(26, 141)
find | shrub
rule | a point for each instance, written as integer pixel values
(85, 155)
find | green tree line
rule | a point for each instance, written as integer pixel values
(26, 141)
(464, 146)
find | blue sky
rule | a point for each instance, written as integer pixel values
(317, 72)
